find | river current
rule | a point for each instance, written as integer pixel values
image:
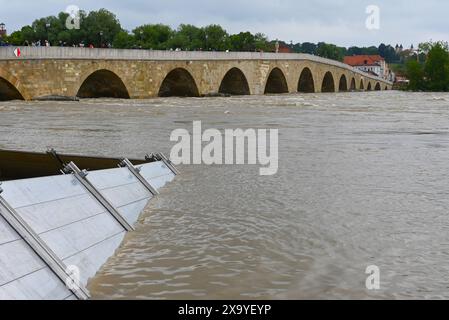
(362, 181)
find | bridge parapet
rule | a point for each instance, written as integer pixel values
(70, 53)
(92, 73)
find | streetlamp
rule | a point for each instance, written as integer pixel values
(47, 27)
(2, 29)
(141, 40)
(101, 39)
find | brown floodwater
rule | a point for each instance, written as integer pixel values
(362, 180)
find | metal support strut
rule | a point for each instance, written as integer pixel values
(81, 176)
(136, 172)
(41, 249)
(161, 157)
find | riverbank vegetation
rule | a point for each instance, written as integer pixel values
(432, 74)
(103, 29)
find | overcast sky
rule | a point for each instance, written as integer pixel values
(335, 21)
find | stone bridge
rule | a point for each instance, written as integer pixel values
(93, 73)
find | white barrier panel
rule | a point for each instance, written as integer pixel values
(68, 219)
(23, 274)
(121, 188)
(72, 223)
(156, 173)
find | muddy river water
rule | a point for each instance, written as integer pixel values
(363, 180)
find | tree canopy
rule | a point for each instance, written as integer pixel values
(433, 73)
(102, 28)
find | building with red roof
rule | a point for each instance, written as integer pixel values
(373, 64)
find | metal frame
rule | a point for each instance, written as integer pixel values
(168, 163)
(52, 152)
(161, 157)
(81, 177)
(136, 172)
(38, 246)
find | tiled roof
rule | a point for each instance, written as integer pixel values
(363, 60)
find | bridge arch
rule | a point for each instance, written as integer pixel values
(386, 88)
(103, 83)
(362, 85)
(178, 83)
(353, 85)
(306, 83)
(10, 87)
(8, 91)
(328, 84)
(276, 82)
(377, 87)
(234, 82)
(343, 84)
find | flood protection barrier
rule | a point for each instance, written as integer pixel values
(57, 231)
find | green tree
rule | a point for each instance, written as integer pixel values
(71, 36)
(308, 47)
(28, 34)
(436, 69)
(95, 28)
(262, 43)
(100, 27)
(15, 38)
(415, 74)
(244, 41)
(194, 36)
(50, 28)
(297, 48)
(371, 50)
(216, 38)
(124, 40)
(330, 51)
(425, 47)
(153, 36)
(187, 37)
(354, 51)
(390, 54)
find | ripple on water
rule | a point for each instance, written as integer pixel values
(362, 180)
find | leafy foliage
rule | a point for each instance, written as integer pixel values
(330, 51)
(433, 73)
(427, 71)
